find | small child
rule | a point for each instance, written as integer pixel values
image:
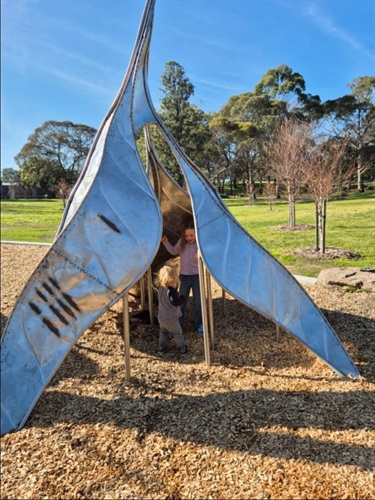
(189, 275)
(169, 311)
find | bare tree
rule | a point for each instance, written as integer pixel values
(62, 191)
(270, 193)
(324, 173)
(287, 154)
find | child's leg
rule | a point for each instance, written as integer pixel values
(163, 336)
(197, 302)
(185, 287)
(175, 329)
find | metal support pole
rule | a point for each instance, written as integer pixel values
(150, 296)
(277, 333)
(142, 289)
(206, 338)
(223, 301)
(126, 336)
(210, 309)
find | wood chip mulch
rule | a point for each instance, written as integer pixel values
(266, 420)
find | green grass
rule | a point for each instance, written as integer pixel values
(30, 220)
(350, 225)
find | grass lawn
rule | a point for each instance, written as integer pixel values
(30, 220)
(350, 225)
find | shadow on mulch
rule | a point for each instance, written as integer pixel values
(3, 321)
(242, 420)
(245, 338)
(233, 421)
(76, 364)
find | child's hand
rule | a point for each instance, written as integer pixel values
(164, 239)
(195, 257)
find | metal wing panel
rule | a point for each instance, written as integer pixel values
(110, 234)
(249, 273)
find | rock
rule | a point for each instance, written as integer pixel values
(356, 277)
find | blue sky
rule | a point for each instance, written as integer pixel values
(65, 59)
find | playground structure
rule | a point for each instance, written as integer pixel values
(109, 237)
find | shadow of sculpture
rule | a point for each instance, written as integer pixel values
(245, 338)
(258, 421)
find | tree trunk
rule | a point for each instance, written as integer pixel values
(260, 184)
(321, 211)
(316, 227)
(277, 188)
(291, 211)
(360, 177)
(251, 188)
(323, 238)
(251, 194)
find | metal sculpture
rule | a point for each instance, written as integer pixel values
(110, 234)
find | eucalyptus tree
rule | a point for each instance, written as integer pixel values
(222, 149)
(285, 84)
(353, 115)
(188, 123)
(281, 82)
(55, 151)
(247, 120)
(10, 175)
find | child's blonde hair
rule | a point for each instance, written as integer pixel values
(168, 276)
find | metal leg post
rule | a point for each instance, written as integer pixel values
(150, 296)
(142, 289)
(206, 338)
(277, 333)
(126, 336)
(210, 309)
(223, 301)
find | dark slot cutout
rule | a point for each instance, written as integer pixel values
(69, 299)
(109, 223)
(41, 295)
(35, 308)
(47, 287)
(66, 308)
(57, 313)
(54, 283)
(51, 327)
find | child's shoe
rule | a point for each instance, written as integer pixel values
(162, 351)
(184, 351)
(200, 330)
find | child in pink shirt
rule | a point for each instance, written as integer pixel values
(187, 247)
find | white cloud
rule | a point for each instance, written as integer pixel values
(328, 26)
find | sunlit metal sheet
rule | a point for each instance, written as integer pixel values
(110, 234)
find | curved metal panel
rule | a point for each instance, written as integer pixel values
(248, 272)
(109, 235)
(174, 202)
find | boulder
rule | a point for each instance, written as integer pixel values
(355, 277)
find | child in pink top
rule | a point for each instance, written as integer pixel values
(189, 275)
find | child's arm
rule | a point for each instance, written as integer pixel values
(174, 296)
(172, 249)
